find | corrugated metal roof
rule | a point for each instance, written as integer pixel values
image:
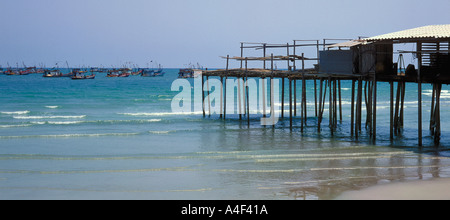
(431, 31)
(347, 44)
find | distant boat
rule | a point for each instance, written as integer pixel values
(27, 70)
(82, 76)
(186, 73)
(52, 73)
(95, 69)
(40, 71)
(152, 73)
(189, 73)
(125, 72)
(147, 73)
(136, 72)
(159, 72)
(11, 72)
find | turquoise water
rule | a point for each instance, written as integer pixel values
(117, 138)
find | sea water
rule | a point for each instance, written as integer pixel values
(118, 138)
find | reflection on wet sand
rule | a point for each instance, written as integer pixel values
(434, 189)
(327, 177)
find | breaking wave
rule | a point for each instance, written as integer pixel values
(52, 106)
(50, 117)
(68, 135)
(161, 113)
(16, 113)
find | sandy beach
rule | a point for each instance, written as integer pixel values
(436, 189)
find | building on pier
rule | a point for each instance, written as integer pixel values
(366, 61)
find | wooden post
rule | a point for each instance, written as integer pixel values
(244, 92)
(315, 97)
(290, 103)
(272, 109)
(247, 94)
(368, 100)
(334, 104)
(287, 54)
(419, 92)
(304, 90)
(320, 106)
(264, 96)
(225, 90)
(209, 99)
(282, 97)
(432, 108)
(403, 104)
(353, 109)
(437, 114)
(330, 106)
(293, 62)
(391, 115)
(340, 100)
(295, 97)
(242, 52)
(374, 121)
(203, 97)
(358, 108)
(264, 55)
(301, 110)
(221, 96)
(324, 98)
(397, 107)
(357, 111)
(239, 98)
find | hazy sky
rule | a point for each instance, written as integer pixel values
(178, 32)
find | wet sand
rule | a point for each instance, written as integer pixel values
(436, 189)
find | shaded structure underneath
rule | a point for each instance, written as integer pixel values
(364, 62)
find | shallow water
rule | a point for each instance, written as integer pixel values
(117, 138)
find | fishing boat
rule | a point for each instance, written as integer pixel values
(185, 73)
(94, 69)
(159, 72)
(112, 73)
(136, 71)
(73, 73)
(152, 73)
(40, 70)
(11, 72)
(147, 73)
(27, 70)
(83, 76)
(124, 72)
(189, 73)
(52, 73)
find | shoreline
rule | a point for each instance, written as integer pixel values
(432, 189)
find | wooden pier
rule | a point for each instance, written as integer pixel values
(368, 62)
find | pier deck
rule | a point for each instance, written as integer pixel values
(369, 69)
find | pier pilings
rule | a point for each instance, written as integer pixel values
(363, 92)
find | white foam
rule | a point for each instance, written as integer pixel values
(161, 113)
(38, 122)
(49, 117)
(14, 126)
(64, 122)
(52, 106)
(69, 135)
(159, 132)
(16, 113)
